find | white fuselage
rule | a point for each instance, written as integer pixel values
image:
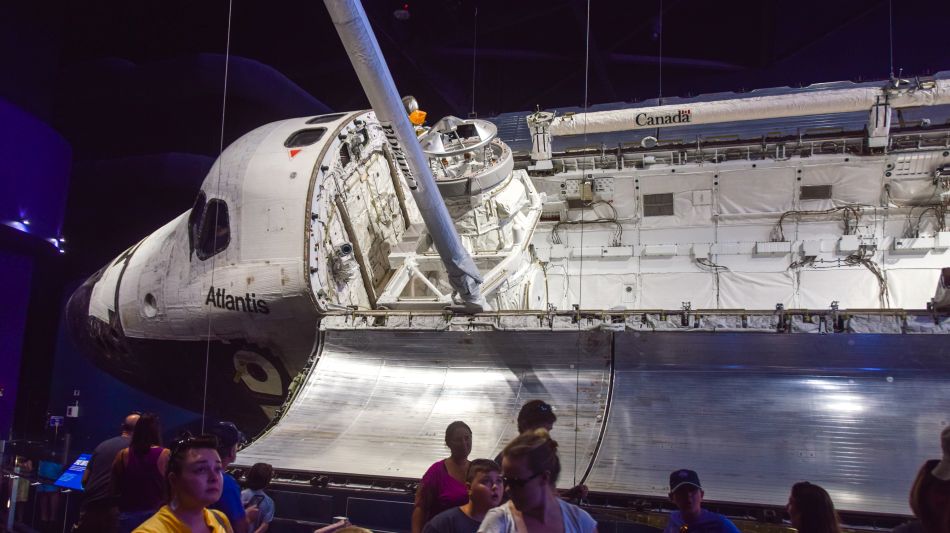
(309, 216)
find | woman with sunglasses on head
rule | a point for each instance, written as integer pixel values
(194, 482)
(537, 414)
(443, 485)
(531, 467)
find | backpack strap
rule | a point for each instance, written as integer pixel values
(217, 516)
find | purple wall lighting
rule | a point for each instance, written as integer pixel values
(16, 271)
(35, 163)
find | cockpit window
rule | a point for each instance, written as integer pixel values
(194, 218)
(323, 119)
(304, 137)
(214, 235)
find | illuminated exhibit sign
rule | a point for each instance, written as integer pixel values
(682, 116)
(72, 477)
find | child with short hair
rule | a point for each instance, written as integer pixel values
(687, 494)
(485, 488)
(258, 478)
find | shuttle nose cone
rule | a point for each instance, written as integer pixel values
(98, 339)
(77, 311)
(176, 370)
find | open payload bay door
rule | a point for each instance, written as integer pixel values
(377, 402)
(753, 413)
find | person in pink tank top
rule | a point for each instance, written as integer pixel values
(138, 474)
(443, 485)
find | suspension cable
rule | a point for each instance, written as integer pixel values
(890, 32)
(474, 50)
(217, 212)
(580, 294)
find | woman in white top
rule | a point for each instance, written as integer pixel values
(531, 467)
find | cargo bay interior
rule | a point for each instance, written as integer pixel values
(707, 237)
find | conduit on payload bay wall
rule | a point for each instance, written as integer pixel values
(730, 208)
(753, 413)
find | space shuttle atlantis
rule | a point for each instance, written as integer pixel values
(304, 217)
(323, 252)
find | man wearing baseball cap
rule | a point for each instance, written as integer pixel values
(229, 437)
(687, 494)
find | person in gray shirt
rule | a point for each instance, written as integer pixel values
(99, 512)
(258, 478)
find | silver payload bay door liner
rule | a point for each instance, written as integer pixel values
(752, 412)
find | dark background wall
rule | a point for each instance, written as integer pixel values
(110, 115)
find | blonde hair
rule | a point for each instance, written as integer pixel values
(540, 449)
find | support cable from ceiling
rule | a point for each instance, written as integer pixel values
(660, 58)
(474, 50)
(217, 212)
(890, 28)
(580, 296)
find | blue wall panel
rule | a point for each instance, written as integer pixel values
(16, 272)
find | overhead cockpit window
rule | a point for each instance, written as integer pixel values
(322, 119)
(466, 131)
(304, 137)
(194, 218)
(215, 231)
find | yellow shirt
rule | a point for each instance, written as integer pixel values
(164, 521)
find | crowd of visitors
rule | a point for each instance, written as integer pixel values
(134, 484)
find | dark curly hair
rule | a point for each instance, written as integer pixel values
(259, 476)
(534, 414)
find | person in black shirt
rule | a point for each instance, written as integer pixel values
(99, 512)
